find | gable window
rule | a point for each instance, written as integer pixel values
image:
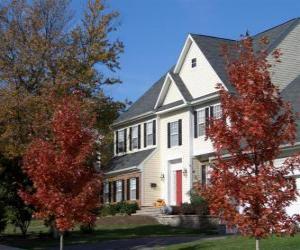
(119, 191)
(201, 122)
(135, 137)
(149, 133)
(194, 62)
(121, 141)
(132, 189)
(174, 133)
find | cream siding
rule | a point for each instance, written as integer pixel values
(151, 174)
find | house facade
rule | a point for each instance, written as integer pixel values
(160, 146)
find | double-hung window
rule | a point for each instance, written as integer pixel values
(174, 132)
(149, 133)
(106, 192)
(194, 62)
(217, 111)
(121, 141)
(119, 191)
(201, 122)
(132, 189)
(134, 138)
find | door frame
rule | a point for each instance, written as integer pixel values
(174, 165)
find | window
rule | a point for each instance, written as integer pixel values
(201, 122)
(119, 191)
(194, 62)
(174, 132)
(203, 175)
(121, 141)
(134, 137)
(149, 133)
(133, 189)
(217, 111)
(106, 192)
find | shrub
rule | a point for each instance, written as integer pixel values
(119, 208)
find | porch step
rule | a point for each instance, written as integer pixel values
(148, 211)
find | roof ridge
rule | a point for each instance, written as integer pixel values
(223, 38)
(278, 25)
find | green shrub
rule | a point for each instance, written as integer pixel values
(119, 208)
(187, 208)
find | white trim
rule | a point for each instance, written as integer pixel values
(164, 90)
(122, 170)
(183, 53)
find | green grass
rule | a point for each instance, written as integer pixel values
(38, 237)
(241, 243)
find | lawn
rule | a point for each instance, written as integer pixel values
(118, 227)
(241, 243)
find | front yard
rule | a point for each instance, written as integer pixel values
(117, 227)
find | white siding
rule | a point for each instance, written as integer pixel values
(182, 152)
(289, 67)
(172, 95)
(202, 79)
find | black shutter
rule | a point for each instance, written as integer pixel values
(125, 140)
(169, 136)
(145, 135)
(117, 140)
(130, 138)
(137, 188)
(206, 118)
(123, 190)
(179, 132)
(114, 191)
(128, 190)
(109, 191)
(154, 132)
(139, 136)
(211, 111)
(195, 124)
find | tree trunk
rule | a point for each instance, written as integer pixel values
(61, 241)
(257, 244)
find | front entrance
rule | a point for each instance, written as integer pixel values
(178, 187)
(175, 182)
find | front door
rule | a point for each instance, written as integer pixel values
(178, 187)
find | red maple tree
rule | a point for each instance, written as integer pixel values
(247, 189)
(66, 185)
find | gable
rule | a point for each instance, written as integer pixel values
(172, 95)
(200, 80)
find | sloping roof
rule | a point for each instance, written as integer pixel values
(128, 160)
(145, 103)
(211, 47)
(291, 93)
(181, 86)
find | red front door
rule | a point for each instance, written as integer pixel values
(178, 187)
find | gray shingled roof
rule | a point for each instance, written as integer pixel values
(210, 46)
(128, 160)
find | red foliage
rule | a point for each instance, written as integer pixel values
(66, 186)
(246, 188)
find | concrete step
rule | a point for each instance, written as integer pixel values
(148, 211)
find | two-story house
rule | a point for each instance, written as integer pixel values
(160, 146)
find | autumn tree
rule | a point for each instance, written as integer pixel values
(247, 189)
(65, 181)
(43, 47)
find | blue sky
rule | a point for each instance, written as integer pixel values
(154, 31)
